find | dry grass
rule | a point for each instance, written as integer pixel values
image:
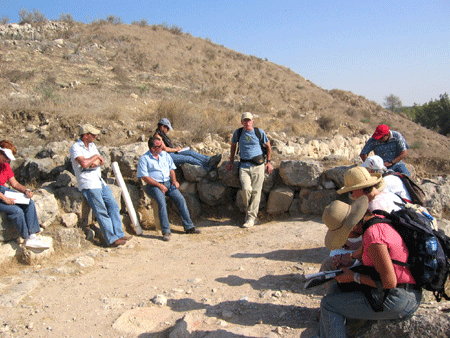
(200, 86)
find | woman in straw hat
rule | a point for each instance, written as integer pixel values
(381, 244)
(359, 182)
(22, 216)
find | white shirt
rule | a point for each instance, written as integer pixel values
(385, 201)
(395, 185)
(86, 178)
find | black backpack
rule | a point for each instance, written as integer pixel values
(429, 250)
(414, 190)
(259, 136)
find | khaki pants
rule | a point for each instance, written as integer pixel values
(252, 180)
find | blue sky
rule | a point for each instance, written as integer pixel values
(372, 48)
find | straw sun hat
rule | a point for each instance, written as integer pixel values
(341, 218)
(358, 178)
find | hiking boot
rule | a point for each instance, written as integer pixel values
(248, 223)
(193, 231)
(214, 161)
(166, 237)
(36, 243)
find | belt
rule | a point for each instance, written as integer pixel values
(408, 286)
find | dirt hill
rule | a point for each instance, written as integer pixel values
(122, 78)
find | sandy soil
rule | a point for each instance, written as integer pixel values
(237, 282)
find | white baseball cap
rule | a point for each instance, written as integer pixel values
(375, 163)
(8, 153)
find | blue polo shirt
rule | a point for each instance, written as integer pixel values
(386, 150)
(249, 146)
(158, 169)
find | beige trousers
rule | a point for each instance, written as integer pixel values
(252, 180)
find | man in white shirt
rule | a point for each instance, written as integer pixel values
(86, 162)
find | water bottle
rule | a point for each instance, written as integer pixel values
(431, 246)
(432, 263)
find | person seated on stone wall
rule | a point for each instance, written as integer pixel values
(22, 216)
(390, 145)
(180, 156)
(157, 169)
(394, 184)
(393, 295)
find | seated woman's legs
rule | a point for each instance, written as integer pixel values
(19, 215)
(191, 157)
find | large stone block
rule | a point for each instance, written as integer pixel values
(301, 173)
(316, 201)
(280, 200)
(213, 194)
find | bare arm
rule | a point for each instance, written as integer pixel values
(91, 162)
(19, 187)
(166, 148)
(400, 157)
(363, 156)
(379, 255)
(232, 153)
(269, 166)
(173, 179)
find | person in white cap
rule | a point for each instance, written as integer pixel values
(22, 216)
(394, 184)
(180, 156)
(86, 162)
(252, 143)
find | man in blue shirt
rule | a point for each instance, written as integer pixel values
(156, 168)
(390, 145)
(251, 168)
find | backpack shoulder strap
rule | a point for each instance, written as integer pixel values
(239, 133)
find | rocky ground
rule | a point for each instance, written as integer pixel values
(225, 282)
(231, 282)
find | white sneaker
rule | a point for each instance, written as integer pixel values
(36, 243)
(248, 223)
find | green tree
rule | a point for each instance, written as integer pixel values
(392, 103)
(434, 114)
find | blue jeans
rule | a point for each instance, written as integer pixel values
(400, 168)
(337, 306)
(176, 196)
(106, 211)
(22, 216)
(191, 157)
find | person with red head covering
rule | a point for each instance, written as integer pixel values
(390, 145)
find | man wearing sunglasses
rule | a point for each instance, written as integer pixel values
(157, 169)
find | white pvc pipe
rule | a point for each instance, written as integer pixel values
(126, 197)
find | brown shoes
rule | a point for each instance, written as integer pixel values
(127, 238)
(118, 242)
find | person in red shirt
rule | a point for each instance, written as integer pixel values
(22, 216)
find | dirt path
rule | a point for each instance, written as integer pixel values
(235, 283)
